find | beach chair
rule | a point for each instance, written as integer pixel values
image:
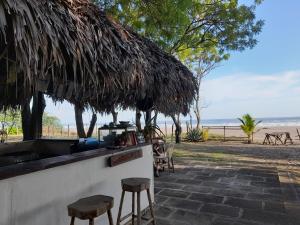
(165, 159)
(298, 134)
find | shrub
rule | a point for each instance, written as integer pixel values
(194, 135)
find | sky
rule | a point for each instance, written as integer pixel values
(264, 81)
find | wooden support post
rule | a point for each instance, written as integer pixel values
(224, 133)
(172, 132)
(68, 130)
(166, 129)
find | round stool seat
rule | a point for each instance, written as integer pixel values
(90, 207)
(135, 184)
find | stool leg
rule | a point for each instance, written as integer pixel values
(91, 221)
(72, 220)
(120, 208)
(133, 207)
(151, 207)
(139, 208)
(110, 219)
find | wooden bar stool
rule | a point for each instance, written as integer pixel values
(90, 208)
(136, 185)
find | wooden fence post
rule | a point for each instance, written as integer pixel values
(224, 133)
(68, 130)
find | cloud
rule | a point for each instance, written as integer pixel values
(251, 86)
(265, 95)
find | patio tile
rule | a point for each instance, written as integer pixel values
(197, 188)
(261, 196)
(183, 204)
(274, 206)
(161, 221)
(160, 199)
(174, 193)
(189, 181)
(207, 198)
(233, 192)
(221, 209)
(163, 211)
(268, 217)
(192, 218)
(229, 192)
(168, 185)
(243, 203)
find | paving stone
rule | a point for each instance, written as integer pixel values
(243, 203)
(251, 178)
(251, 189)
(274, 191)
(274, 206)
(174, 193)
(221, 209)
(197, 188)
(265, 184)
(207, 198)
(183, 204)
(214, 184)
(192, 218)
(267, 197)
(161, 221)
(267, 217)
(223, 221)
(157, 190)
(272, 179)
(220, 220)
(206, 178)
(189, 181)
(229, 192)
(163, 211)
(168, 185)
(160, 199)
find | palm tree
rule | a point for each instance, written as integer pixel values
(248, 125)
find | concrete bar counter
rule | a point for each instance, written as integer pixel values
(38, 192)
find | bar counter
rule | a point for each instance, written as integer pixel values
(38, 192)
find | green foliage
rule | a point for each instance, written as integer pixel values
(188, 28)
(248, 125)
(9, 120)
(194, 135)
(53, 121)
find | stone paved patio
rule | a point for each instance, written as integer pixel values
(230, 185)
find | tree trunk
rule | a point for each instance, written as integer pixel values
(138, 116)
(92, 125)
(115, 116)
(177, 128)
(79, 121)
(197, 109)
(155, 118)
(36, 123)
(148, 117)
(26, 118)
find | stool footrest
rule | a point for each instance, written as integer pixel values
(127, 216)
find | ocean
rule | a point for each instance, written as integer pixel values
(266, 122)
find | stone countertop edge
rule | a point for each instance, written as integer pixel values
(42, 164)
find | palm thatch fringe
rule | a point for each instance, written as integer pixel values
(69, 49)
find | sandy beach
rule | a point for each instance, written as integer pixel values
(238, 134)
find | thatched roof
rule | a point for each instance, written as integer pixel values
(69, 49)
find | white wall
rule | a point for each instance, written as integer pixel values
(41, 198)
